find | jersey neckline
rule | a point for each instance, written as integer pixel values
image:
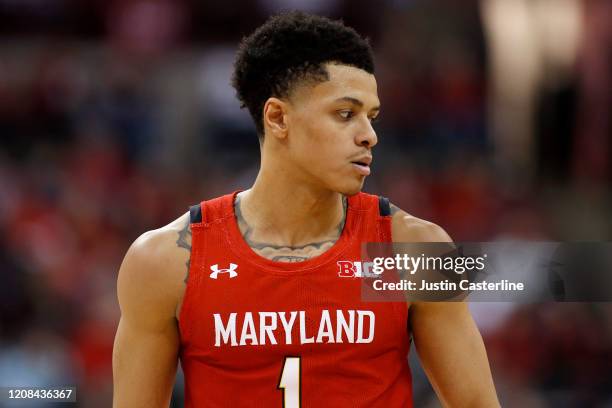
(239, 245)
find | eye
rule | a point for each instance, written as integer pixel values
(374, 119)
(346, 114)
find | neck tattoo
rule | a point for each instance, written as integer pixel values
(284, 253)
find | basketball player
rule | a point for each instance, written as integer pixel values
(245, 289)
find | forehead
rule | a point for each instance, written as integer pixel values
(344, 81)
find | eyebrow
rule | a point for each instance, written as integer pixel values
(355, 101)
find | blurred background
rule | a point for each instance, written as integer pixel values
(115, 116)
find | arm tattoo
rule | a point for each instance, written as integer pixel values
(184, 241)
(283, 253)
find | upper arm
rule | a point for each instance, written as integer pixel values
(446, 338)
(145, 352)
(452, 353)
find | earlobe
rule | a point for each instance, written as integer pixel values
(275, 116)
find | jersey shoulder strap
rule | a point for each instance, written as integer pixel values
(195, 214)
(384, 206)
(209, 211)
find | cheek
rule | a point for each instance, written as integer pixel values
(310, 136)
(319, 141)
(324, 148)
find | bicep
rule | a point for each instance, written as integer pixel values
(144, 365)
(146, 345)
(446, 338)
(453, 354)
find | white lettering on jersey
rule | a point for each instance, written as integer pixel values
(248, 330)
(325, 328)
(360, 324)
(303, 338)
(267, 329)
(341, 325)
(226, 332)
(287, 326)
(349, 326)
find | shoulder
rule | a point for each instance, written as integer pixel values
(153, 270)
(408, 228)
(160, 248)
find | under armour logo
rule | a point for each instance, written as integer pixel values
(231, 270)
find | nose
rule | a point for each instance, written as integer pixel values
(367, 135)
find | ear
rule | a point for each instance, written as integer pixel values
(275, 118)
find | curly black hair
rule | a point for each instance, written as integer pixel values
(289, 48)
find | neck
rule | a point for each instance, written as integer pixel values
(282, 211)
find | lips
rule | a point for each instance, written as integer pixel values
(362, 165)
(364, 161)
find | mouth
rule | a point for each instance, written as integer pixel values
(362, 167)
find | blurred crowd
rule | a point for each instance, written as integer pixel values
(116, 116)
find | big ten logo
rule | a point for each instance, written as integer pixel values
(356, 269)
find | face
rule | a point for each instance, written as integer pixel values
(329, 129)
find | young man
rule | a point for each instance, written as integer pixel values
(245, 289)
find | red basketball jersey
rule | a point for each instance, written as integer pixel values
(260, 333)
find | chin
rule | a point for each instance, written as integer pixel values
(350, 189)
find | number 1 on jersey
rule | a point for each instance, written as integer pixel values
(290, 382)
